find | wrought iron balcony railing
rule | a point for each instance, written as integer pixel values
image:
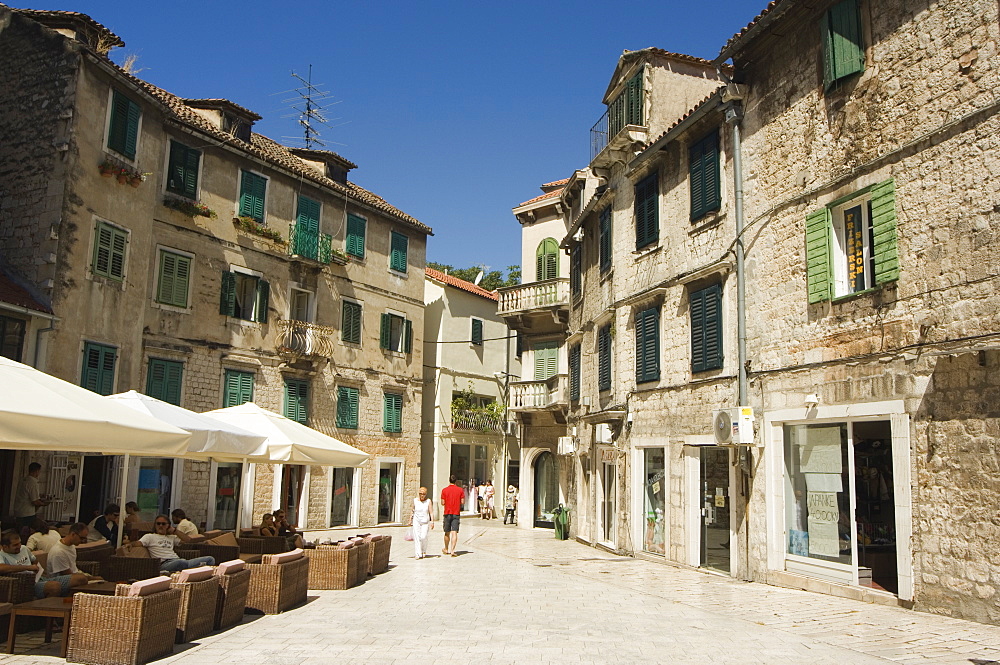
(538, 395)
(476, 421)
(305, 339)
(312, 245)
(599, 136)
(534, 295)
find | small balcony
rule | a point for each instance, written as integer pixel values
(312, 245)
(476, 421)
(537, 307)
(301, 339)
(549, 394)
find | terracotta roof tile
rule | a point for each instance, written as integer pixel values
(555, 183)
(750, 26)
(548, 195)
(13, 293)
(36, 14)
(461, 284)
(670, 54)
(687, 115)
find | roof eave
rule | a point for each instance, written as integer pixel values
(763, 21)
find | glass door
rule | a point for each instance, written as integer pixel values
(340, 501)
(387, 492)
(654, 500)
(546, 490)
(227, 494)
(715, 506)
(608, 474)
(292, 480)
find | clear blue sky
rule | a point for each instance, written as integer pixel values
(453, 111)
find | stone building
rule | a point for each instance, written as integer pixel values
(469, 360)
(853, 142)
(185, 256)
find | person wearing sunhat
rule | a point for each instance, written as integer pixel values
(510, 505)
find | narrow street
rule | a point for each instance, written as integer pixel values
(517, 596)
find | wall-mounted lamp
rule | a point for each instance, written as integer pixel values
(811, 400)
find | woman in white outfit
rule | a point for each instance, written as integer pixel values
(421, 521)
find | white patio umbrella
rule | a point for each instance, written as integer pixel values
(289, 442)
(40, 412)
(210, 437)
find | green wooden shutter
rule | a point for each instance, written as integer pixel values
(237, 388)
(347, 407)
(253, 190)
(697, 307)
(706, 328)
(350, 322)
(634, 106)
(547, 260)
(182, 171)
(576, 269)
(540, 262)
(392, 417)
(227, 301)
(175, 273)
(605, 239)
(574, 373)
(123, 130)
(647, 345)
(843, 50)
(297, 401)
(407, 336)
(263, 300)
(885, 247)
(397, 258)
(110, 244)
(356, 236)
(647, 225)
(818, 255)
(306, 241)
(546, 360)
(604, 358)
(477, 332)
(385, 333)
(703, 168)
(163, 380)
(98, 372)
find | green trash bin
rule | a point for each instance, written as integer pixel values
(559, 520)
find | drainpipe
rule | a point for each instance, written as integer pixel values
(38, 342)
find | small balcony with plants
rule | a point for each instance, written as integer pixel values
(309, 244)
(471, 414)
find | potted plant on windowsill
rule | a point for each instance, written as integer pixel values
(251, 225)
(107, 168)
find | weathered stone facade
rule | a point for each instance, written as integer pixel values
(54, 132)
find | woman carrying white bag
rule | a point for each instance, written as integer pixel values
(421, 522)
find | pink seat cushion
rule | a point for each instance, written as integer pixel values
(346, 545)
(230, 567)
(195, 574)
(152, 585)
(225, 539)
(285, 557)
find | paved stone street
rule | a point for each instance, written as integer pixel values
(516, 596)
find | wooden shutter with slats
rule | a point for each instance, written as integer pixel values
(163, 380)
(883, 214)
(347, 407)
(818, 255)
(356, 236)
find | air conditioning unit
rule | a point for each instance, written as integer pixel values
(733, 427)
(567, 445)
(602, 433)
(510, 428)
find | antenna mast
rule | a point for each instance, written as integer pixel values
(310, 112)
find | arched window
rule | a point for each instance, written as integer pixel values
(547, 260)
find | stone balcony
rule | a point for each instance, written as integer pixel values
(300, 339)
(536, 307)
(548, 395)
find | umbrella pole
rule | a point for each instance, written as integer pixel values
(244, 474)
(121, 522)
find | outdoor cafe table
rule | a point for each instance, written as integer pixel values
(50, 608)
(100, 588)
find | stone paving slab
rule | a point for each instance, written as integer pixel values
(520, 596)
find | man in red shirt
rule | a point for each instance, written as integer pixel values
(451, 499)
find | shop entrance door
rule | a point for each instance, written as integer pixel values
(608, 502)
(387, 473)
(292, 481)
(714, 483)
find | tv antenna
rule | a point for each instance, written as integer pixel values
(308, 110)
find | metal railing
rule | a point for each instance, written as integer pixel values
(305, 339)
(535, 294)
(476, 421)
(599, 136)
(550, 392)
(309, 244)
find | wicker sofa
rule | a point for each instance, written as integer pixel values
(334, 566)
(279, 583)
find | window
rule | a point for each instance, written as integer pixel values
(174, 277)
(546, 360)
(647, 345)
(397, 252)
(297, 400)
(477, 332)
(300, 305)
(706, 328)
(605, 239)
(627, 107)
(347, 407)
(576, 270)
(356, 236)
(574, 373)
(604, 358)
(703, 168)
(851, 245)
(163, 380)
(11, 337)
(518, 344)
(547, 260)
(306, 234)
(396, 333)
(182, 171)
(350, 322)
(253, 189)
(244, 297)
(123, 129)
(237, 388)
(392, 418)
(110, 244)
(647, 223)
(843, 50)
(99, 368)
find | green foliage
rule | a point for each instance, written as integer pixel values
(251, 225)
(492, 279)
(466, 403)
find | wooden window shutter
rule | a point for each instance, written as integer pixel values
(227, 301)
(818, 280)
(604, 358)
(350, 323)
(392, 420)
(237, 388)
(407, 336)
(398, 251)
(163, 380)
(885, 250)
(634, 101)
(98, 372)
(477, 332)
(540, 262)
(576, 269)
(175, 272)
(385, 333)
(605, 239)
(297, 401)
(697, 307)
(647, 227)
(123, 130)
(307, 219)
(253, 190)
(843, 50)
(182, 171)
(263, 299)
(706, 328)
(574, 373)
(647, 345)
(356, 236)
(347, 407)
(102, 249)
(546, 360)
(703, 168)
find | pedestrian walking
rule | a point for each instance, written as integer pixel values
(510, 505)
(451, 499)
(489, 506)
(27, 501)
(421, 521)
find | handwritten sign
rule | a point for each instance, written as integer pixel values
(821, 452)
(824, 514)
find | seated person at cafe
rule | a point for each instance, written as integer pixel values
(287, 530)
(107, 524)
(60, 564)
(161, 546)
(17, 558)
(183, 524)
(42, 537)
(131, 515)
(267, 527)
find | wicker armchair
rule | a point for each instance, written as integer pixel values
(17, 588)
(126, 568)
(123, 630)
(232, 600)
(364, 561)
(196, 617)
(276, 587)
(331, 567)
(264, 544)
(378, 554)
(97, 552)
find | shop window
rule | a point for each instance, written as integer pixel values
(341, 496)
